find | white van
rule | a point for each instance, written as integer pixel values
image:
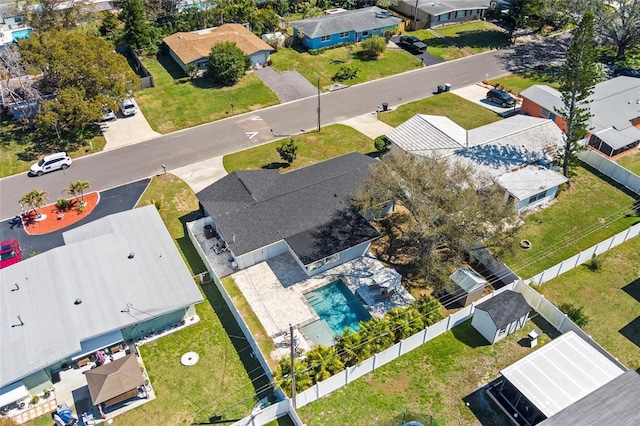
(128, 107)
(59, 160)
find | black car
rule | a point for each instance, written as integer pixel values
(500, 97)
(626, 72)
(413, 44)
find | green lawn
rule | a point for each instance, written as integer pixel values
(517, 82)
(332, 141)
(461, 111)
(436, 379)
(611, 299)
(19, 149)
(328, 62)
(589, 211)
(438, 46)
(475, 37)
(631, 162)
(178, 103)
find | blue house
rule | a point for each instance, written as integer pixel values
(343, 26)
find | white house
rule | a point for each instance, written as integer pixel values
(501, 315)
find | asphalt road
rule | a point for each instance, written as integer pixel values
(131, 163)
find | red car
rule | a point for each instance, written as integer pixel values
(9, 253)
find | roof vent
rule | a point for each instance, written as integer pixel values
(131, 255)
(78, 301)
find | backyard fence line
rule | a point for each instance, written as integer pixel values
(586, 255)
(199, 224)
(611, 169)
(558, 319)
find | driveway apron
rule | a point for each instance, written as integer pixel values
(288, 86)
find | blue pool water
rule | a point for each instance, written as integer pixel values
(18, 34)
(338, 306)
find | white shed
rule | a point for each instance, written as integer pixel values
(501, 315)
(469, 286)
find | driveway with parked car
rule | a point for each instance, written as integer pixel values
(126, 130)
(478, 95)
(422, 54)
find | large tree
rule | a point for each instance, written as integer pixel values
(45, 15)
(227, 63)
(579, 76)
(80, 73)
(445, 208)
(619, 22)
(136, 28)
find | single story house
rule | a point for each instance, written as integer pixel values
(306, 212)
(113, 279)
(430, 13)
(194, 47)
(615, 403)
(342, 27)
(614, 125)
(500, 316)
(554, 377)
(517, 152)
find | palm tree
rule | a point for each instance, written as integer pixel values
(283, 375)
(81, 185)
(376, 335)
(405, 322)
(429, 308)
(34, 199)
(323, 362)
(350, 347)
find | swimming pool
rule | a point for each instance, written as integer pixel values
(18, 34)
(336, 305)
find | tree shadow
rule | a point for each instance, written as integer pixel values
(205, 83)
(276, 165)
(481, 39)
(632, 331)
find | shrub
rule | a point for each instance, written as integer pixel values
(35, 399)
(374, 46)
(288, 150)
(346, 72)
(381, 143)
(575, 313)
(387, 34)
(594, 264)
(227, 63)
(63, 204)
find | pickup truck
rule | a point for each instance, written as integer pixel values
(413, 44)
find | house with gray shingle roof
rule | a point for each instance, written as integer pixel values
(431, 13)
(614, 125)
(343, 26)
(306, 212)
(516, 153)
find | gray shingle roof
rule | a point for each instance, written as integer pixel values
(366, 19)
(263, 206)
(93, 266)
(505, 308)
(615, 403)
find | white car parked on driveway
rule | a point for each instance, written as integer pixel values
(128, 107)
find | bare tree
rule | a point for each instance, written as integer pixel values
(18, 89)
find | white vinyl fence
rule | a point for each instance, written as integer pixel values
(611, 169)
(582, 257)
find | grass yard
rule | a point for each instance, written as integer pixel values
(313, 147)
(475, 37)
(436, 379)
(517, 82)
(591, 210)
(611, 300)
(631, 162)
(329, 62)
(461, 111)
(438, 46)
(19, 149)
(178, 103)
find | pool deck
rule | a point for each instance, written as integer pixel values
(275, 291)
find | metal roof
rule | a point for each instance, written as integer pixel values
(40, 320)
(560, 373)
(424, 134)
(467, 279)
(530, 180)
(255, 208)
(545, 96)
(358, 20)
(435, 8)
(617, 139)
(615, 403)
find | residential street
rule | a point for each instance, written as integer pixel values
(135, 162)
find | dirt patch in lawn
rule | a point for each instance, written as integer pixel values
(52, 218)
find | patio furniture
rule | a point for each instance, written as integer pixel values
(384, 294)
(375, 286)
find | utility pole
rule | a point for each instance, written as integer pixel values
(293, 353)
(415, 18)
(318, 113)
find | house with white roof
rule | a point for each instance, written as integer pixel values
(114, 280)
(431, 13)
(614, 125)
(516, 153)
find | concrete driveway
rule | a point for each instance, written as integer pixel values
(288, 86)
(426, 57)
(477, 94)
(127, 130)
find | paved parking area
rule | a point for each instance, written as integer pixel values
(113, 200)
(127, 130)
(288, 86)
(426, 57)
(477, 94)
